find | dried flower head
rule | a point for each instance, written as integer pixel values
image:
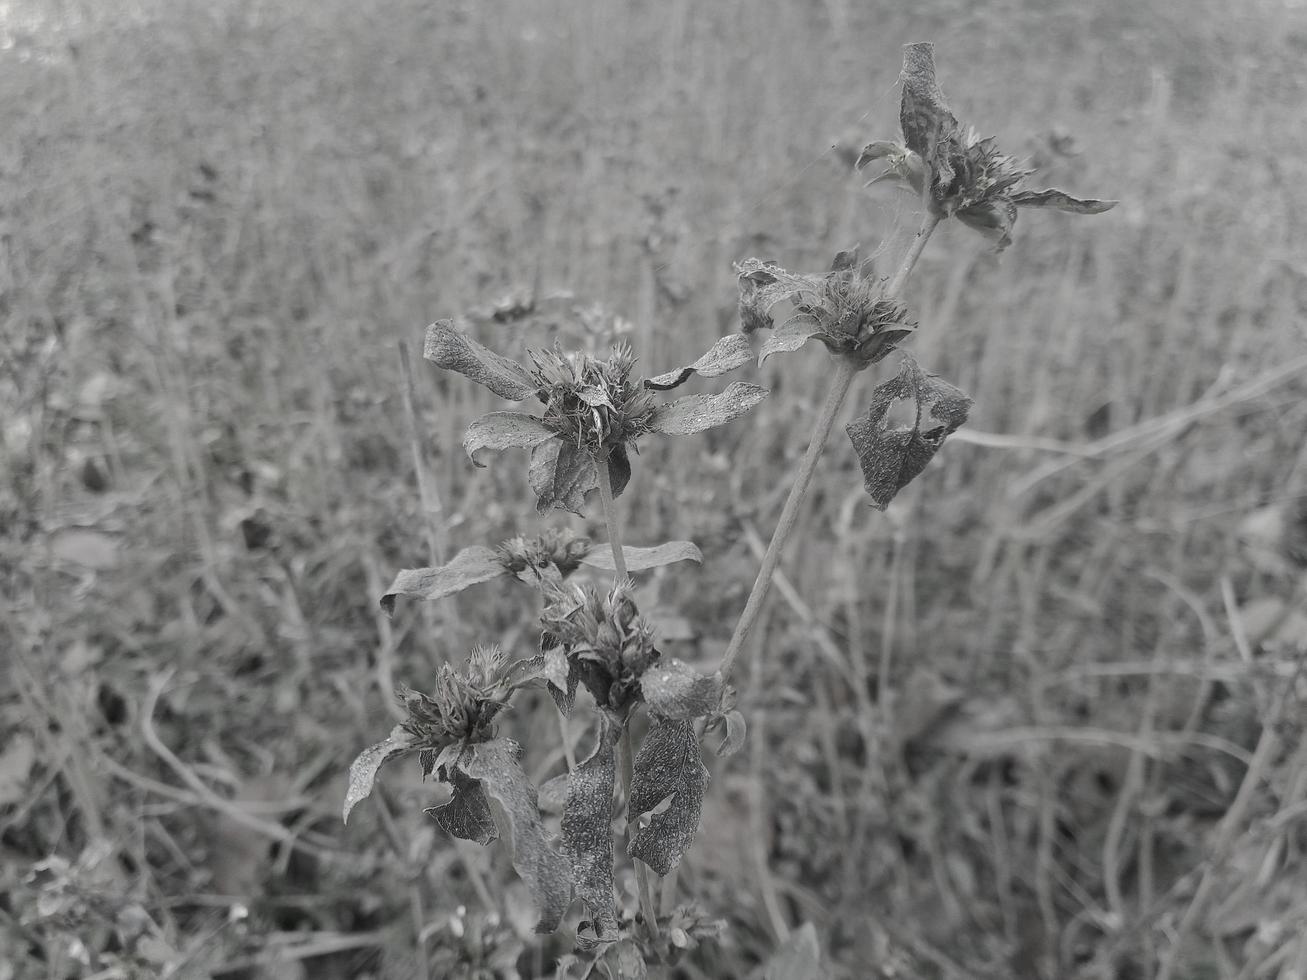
(595, 411)
(960, 172)
(459, 712)
(845, 309)
(462, 705)
(607, 643)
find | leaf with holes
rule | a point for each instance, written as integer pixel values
(892, 456)
(587, 827)
(496, 766)
(363, 770)
(667, 788)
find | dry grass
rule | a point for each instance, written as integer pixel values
(1017, 727)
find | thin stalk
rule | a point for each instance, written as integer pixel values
(839, 389)
(647, 905)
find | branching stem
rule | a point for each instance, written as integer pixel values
(839, 389)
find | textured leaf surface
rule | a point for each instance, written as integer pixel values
(467, 815)
(504, 430)
(641, 559)
(697, 413)
(929, 127)
(469, 567)
(587, 827)
(496, 765)
(789, 337)
(1061, 201)
(727, 354)
(666, 794)
(453, 350)
(798, 958)
(674, 689)
(363, 770)
(561, 475)
(892, 457)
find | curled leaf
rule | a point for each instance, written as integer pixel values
(726, 355)
(469, 567)
(892, 457)
(453, 350)
(561, 474)
(1061, 201)
(929, 127)
(733, 735)
(641, 559)
(363, 770)
(587, 833)
(495, 764)
(697, 413)
(674, 689)
(789, 337)
(467, 815)
(667, 788)
(504, 430)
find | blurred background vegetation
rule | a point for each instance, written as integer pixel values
(1003, 731)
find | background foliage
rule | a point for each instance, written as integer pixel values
(982, 738)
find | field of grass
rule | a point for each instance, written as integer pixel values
(1040, 720)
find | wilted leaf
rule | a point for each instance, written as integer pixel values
(668, 773)
(619, 470)
(503, 430)
(993, 219)
(674, 689)
(696, 413)
(469, 567)
(789, 337)
(448, 348)
(641, 559)
(891, 458)
(587, 827)
(561, 474)
(495, 764)
(467, 815)
(363, 770)
(798, 958)
(733, 736)
(727, 354)
(1061, 201)
(928, 124)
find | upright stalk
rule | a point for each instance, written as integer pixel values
(830, 410)
(627, 767)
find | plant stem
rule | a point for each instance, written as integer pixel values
(839, 389)
(647, 904)
(610, 518)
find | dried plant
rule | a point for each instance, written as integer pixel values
(593, 412)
